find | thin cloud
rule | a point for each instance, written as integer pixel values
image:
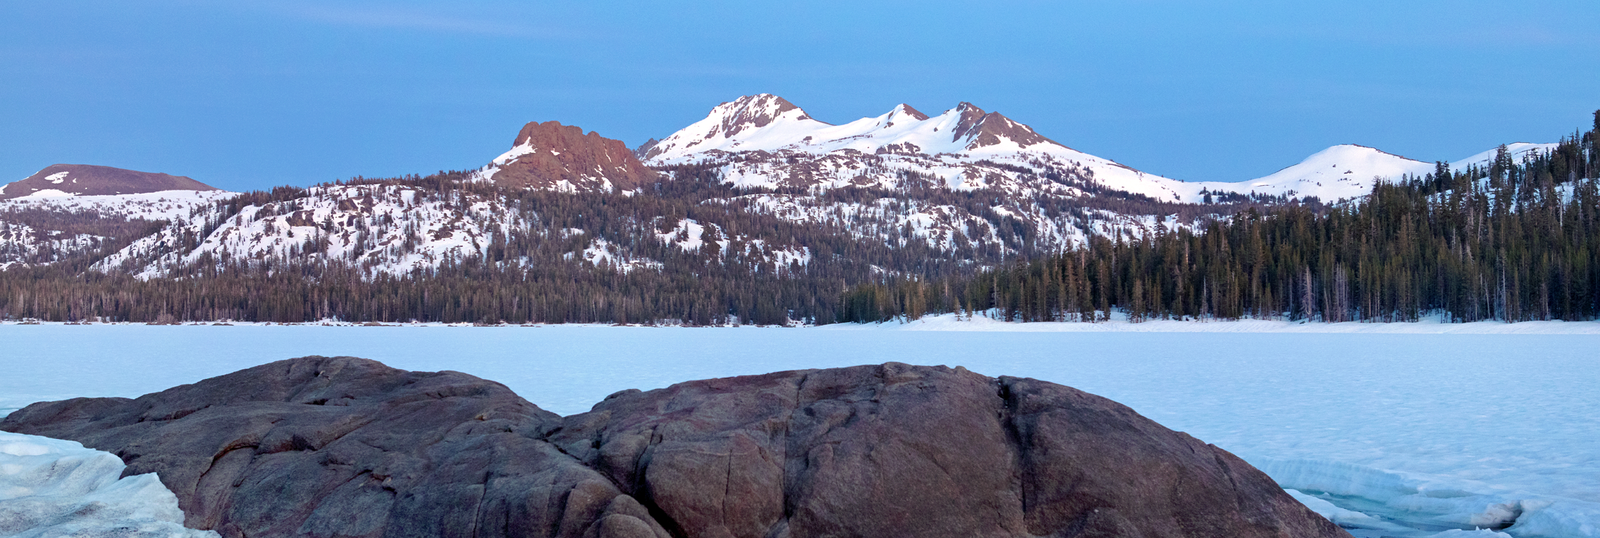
(409, 19)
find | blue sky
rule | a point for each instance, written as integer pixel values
(251, 95)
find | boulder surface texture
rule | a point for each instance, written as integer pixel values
(347, 447)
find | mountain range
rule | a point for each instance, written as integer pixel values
(758, 184)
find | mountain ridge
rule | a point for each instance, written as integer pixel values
(972, 187)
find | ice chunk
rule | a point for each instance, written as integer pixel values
(1357, 497)
(50, 488)
(1349, 519)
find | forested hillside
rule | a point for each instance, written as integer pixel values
(1510, 241)
(690, 248)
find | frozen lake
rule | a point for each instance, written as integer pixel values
(1426, 432)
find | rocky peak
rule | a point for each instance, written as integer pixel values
(905, 111)
(644, 149)
(981, 129)
(90, 180)
(729, 125)
(968, 117)
(754, 111)
(550, 155)
(996, 128)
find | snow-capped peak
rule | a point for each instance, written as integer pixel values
(904, 112)
(759, 119)
(757, 111)
(767, 122)
(779, 144)
(1342, 171)
(979, 129)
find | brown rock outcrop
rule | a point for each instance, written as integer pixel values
(349, 447)
(549, 153)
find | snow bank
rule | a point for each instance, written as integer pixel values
(1404, 504)
(51, 488)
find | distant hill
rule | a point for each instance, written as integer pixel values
(89, 180)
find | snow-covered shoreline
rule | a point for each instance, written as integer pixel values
(981, 323)
(1430, 325)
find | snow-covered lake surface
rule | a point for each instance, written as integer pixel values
(1416, 433)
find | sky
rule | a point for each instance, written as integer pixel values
(249, 95)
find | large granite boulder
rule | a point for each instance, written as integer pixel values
(345, 447)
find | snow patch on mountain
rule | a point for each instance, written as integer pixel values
(693, 237)
(21, 242)
(162, 205)
(47, 193)
(689, 235)
(607, 255)
(385, 229)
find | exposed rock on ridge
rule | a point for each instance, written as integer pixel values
(90, 180)
(553, 156)
(755, 112)
(349, 447)
(988, 129)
